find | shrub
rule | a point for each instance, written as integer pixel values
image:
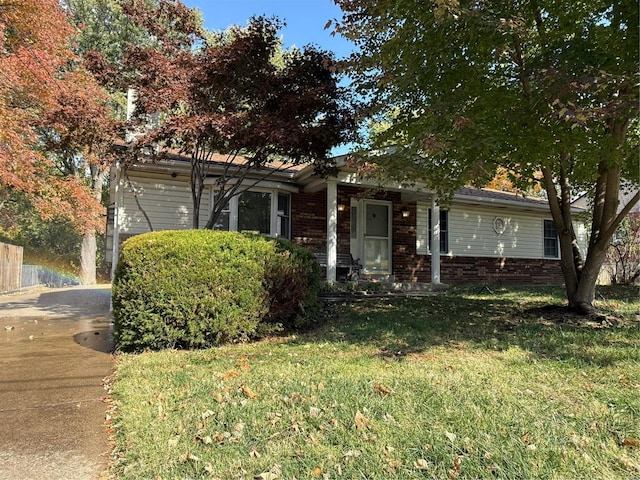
(292, 281)
(198, 288)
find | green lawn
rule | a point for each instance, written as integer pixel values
(459, 385)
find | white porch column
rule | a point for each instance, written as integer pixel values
(435, 240)
(115, 238)
(332, 230)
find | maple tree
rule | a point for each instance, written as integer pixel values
(541, 87)
(33, 39)
(55, 122)
(236, 95)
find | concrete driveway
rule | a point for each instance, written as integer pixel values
(55, 349)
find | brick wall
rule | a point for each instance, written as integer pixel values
(309, 228)
(482, 270)
(309, 220)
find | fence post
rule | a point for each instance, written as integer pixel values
(10, 267)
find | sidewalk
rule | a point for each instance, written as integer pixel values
(54, 352)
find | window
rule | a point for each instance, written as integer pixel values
(265, 212)
(551, 245)
(254, 212)
(223, 219)
(444, 230)
(283, 227)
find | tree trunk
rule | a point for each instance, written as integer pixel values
(582, 299)
(88, 258)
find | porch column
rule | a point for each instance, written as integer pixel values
(435, 240)
(332, 229)
(115, 238)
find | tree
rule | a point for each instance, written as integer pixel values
(623, 256)
(224, 96)
(55, 124)
(78, 134)
(33, 40)
(540, 87)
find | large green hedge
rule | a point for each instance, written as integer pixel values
(199, 288)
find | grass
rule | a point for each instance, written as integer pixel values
(459, 385)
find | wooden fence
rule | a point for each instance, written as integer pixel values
(10, 267)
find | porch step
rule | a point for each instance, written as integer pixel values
(408, 287)
(381, 289)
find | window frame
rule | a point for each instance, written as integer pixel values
(547, 225)
(444, 232)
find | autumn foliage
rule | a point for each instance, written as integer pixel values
(226, 94)
(55, 121)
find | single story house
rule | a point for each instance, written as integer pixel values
(480, 237)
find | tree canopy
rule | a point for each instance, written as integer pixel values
(544, 89)
(56, 125)
(235, 94)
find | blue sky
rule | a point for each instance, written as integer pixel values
(305, 19)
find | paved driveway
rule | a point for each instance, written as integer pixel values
(54, 353)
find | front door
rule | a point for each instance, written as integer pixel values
(376, 237)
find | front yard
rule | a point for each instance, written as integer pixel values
(465, 384)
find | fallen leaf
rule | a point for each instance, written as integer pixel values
(421, 464)
(247, 392)
(266, 476)
(361, 421)
(351, 454)
(314, 412)
(381, 389)
(450, 436)
(317, 471)
(218, 397)
(191, 457)
(630, 442)
(206, 440)
(457, 462)
(229, 375)
(273, 418)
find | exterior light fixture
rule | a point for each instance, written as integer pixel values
(341, 207)
(405, 212)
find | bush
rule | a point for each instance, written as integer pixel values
(292, 281)
(198, 288)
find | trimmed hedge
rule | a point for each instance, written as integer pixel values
(199, 288)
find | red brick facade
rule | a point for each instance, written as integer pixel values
(309, 228)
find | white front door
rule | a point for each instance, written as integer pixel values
(376, 237)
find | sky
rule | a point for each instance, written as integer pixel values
(305, 19)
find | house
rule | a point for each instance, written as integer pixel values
(480, 237)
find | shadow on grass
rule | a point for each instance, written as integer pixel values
(470, 319)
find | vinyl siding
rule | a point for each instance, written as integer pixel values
(471, 232)
(167, 203)
(422, 228)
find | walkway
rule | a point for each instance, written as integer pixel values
(54, 353)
